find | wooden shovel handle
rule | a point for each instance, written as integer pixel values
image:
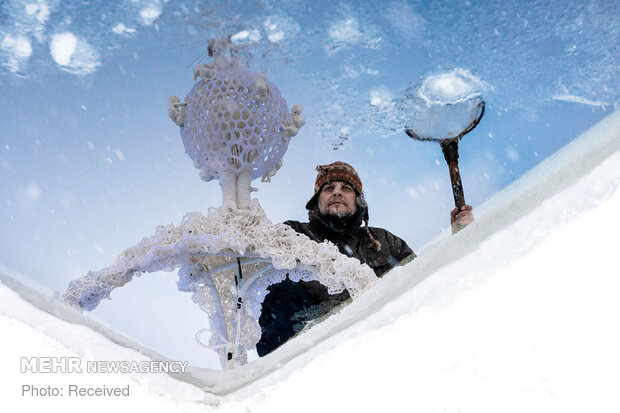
(451, 154)
(457, 185)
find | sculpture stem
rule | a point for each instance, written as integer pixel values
(243, 190)
(228, 183)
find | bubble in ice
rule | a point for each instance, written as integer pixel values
(441, 105)
(450, 88)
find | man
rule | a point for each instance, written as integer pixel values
(336, 212)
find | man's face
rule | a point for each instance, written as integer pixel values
(337, 198)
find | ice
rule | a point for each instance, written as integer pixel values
(5, 165)
(33, 192)
(579, 99)
(74, 54)
(19, 49)
(380, 97)
(514, 313)
(150, 13)
(281, 28)
(533, 55)
(62, 47)
(99, 248)
(451, 88)
(117, 152)
(344, 33)
(122, 29)
(442, 105)
(512, 153)
(408, 23)
(549, 65)
(40, 10)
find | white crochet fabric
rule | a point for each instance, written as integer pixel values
(235, 127)
(234, 120)
(206, 249)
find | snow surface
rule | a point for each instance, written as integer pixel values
(518, 312)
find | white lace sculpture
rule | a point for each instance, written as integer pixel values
(235, 127)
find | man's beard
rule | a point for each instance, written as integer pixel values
(338, 214)
(339, 221)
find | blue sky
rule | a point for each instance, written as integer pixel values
(90, 162)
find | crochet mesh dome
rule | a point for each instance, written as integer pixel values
(231, 126)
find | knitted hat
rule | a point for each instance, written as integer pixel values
(335, 171)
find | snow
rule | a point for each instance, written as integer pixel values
(345, 32)
(34, 333)
(451, 87)
(512, 153)
(578, 99)
(74, 54)
(348, 30)
(380, 97)
(19, 46)
(276, 37)
(41, 9)
(19, 49)
(122, 29)
(518, 312)
(403, 17)
(116, 151)
(150, 14)
(32, 192)
(62, 47)
(99, 248)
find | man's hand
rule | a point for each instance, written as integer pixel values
(461, 219)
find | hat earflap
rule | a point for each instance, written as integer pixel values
(361, 203)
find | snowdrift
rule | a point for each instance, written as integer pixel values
(519, 312)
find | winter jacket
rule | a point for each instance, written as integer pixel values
(290, 305)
